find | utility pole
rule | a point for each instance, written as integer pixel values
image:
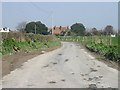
(35, 28)
(52, 21)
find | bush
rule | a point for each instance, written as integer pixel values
(7, 45)
(110, 52)
(29, 42)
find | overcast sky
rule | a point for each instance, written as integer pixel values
(91, 14)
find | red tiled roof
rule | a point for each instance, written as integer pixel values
(59, 30)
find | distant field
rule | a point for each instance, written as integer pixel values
(104, 45)
(90, 39)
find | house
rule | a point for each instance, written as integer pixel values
(59, 30)
(6, 29)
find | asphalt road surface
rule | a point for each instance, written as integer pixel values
(67, 67)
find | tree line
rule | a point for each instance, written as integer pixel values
(77, 29)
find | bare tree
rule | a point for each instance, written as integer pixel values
(118, 31)
(94, 31)
(108, 30)
(21, 26)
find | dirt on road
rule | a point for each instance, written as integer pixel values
(67, 67)
(11, 62)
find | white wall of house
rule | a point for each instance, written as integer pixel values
(6, 29)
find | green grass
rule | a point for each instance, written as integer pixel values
(0, 56)
(104, 45)
(35, 42)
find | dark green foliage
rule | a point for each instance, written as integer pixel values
(78, 29)
(40, 28)
(110, 52)
(31, 42)
(7, 45)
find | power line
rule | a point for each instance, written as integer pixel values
(38, 8)
(44, 11)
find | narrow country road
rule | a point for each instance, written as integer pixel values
(67, 67)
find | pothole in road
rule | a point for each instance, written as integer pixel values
(100, 76)
(98, 82)
(87, 78)
(54, 63)
(66, 60)
(82, 75)
(84, 79)
(90, 79)
(46, 66)
(98, 66)
(93, 86)
(29, 85)
(93, 70)
(86, 74)
(72, 73)
(95, 79)
(60, 54)
(52, 82)
(63, 80)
